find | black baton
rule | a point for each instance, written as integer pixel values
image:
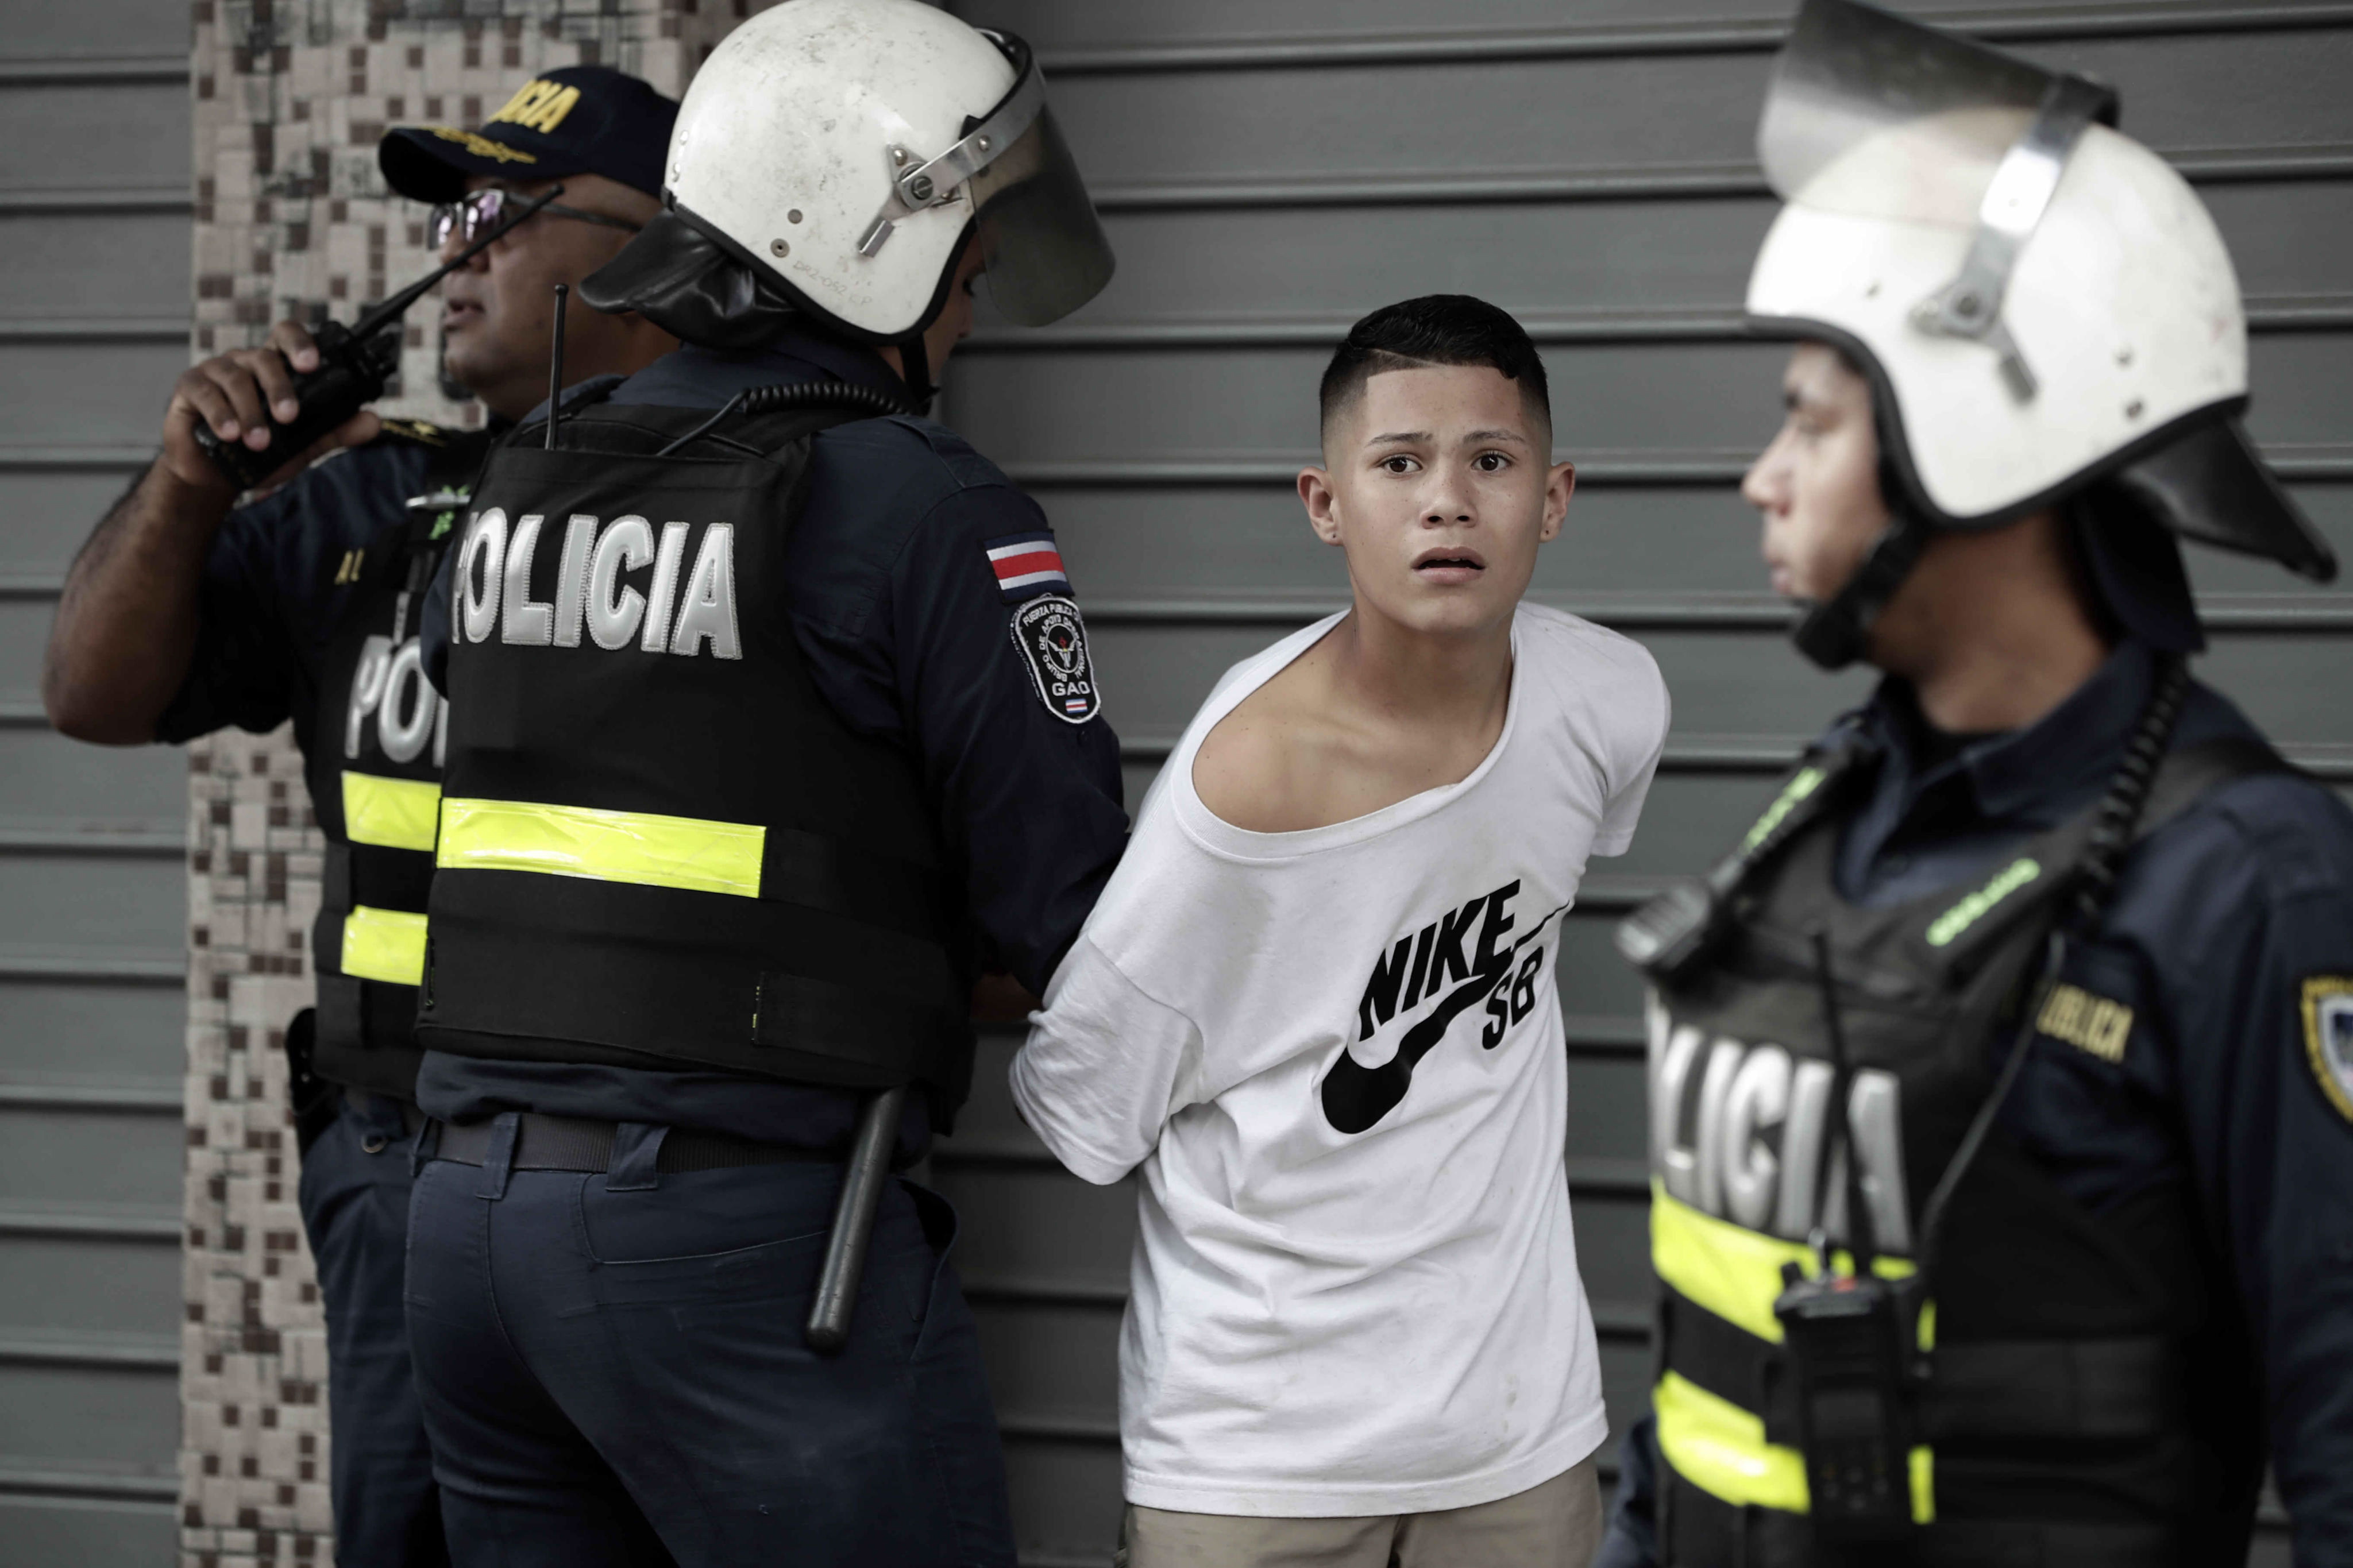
(853, 1222)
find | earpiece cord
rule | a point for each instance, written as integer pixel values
(2095, 882)
(1862, 1242)
(794, 395)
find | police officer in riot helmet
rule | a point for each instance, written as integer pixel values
(187, 611)
(2001, 1077)
(773, 731)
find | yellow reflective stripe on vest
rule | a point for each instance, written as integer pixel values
(1719, 1447)
(384, 944)
(393, 814)
(601, 845)
(1733, 1271)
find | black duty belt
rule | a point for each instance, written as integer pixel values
(545, 1142)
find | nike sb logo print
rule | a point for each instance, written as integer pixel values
(1415, 971)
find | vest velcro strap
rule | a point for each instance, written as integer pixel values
(1723, 1449)
(828, 1020)
(355, 874)
(2091, 1389)
(365, 1035)
(783, 865)
(1704, 1531)
(2053, 1388)
(798, 867)
(746, 984)
(637, 846)
(393, 814)
(384, 944)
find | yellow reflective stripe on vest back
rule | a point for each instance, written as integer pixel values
(601, 845)
(384, 944)
(1719, 1447)
(393, 814)
(1733, 1271)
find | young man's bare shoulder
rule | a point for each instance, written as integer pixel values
(1251, 764)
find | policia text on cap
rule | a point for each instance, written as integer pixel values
(2001, 1077)
(186, 612)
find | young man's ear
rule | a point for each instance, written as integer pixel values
(1559, 485)
(1323, 515)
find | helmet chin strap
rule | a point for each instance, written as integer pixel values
(915, 369)
(1834, 631)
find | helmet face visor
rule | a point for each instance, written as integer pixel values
(1880, 117)
(1041, 243)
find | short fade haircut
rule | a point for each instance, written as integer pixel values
(1434, 329)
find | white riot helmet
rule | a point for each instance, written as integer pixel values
(839, 152)
(2040, 302)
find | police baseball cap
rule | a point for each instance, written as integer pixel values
(581, 119)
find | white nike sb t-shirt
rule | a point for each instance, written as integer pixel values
(1336, 1056)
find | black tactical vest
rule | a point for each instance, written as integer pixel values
(2054, 1428)
(660, 845)
(373, 768)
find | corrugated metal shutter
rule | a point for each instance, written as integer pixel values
(93, 327)
(1271, 169)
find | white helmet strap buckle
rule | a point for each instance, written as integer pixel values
(918, 186)
(2020, 192)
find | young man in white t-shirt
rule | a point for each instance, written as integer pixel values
(1316, 1007)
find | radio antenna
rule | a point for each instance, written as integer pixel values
(555, 367)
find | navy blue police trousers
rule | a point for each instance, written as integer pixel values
(353, 1194)
(613, 1373)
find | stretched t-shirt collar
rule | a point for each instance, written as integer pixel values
(1222, 837)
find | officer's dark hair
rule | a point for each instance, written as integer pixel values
(1436, 329)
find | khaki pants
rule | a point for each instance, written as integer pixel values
(1554, 1525)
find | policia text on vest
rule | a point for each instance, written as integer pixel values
(373, 766)
(658, 841)
(592, 592)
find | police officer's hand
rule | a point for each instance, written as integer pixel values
(1001, 999)
(236, 393)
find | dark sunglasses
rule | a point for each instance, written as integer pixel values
(477, 211)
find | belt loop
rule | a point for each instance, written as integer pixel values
(498, 1160)
(425, 1147)
(636, 1157)
(384, 1115)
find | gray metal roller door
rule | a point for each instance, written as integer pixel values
(1269, 170)
(93, 326)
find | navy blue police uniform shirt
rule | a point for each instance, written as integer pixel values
(2221, 1064)
(270, 601)
(906, 631)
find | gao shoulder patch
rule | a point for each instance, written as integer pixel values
(1053, 644)
(2328, 1036)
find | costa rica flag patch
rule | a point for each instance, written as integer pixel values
(1026, 564)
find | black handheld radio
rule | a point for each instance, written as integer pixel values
(1849, 1336)
(355, 362)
